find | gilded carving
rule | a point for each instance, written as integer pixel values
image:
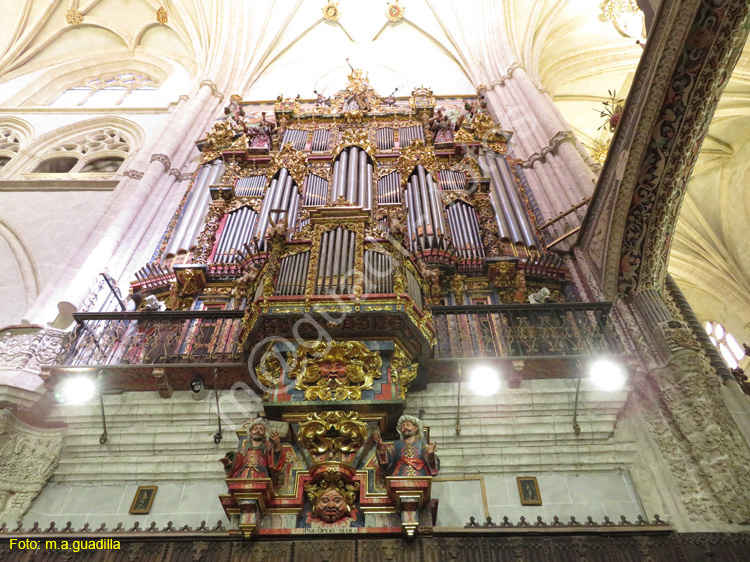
(422, 98)
(395, 11)
(220, 136)
(74, 16)
(293, 160)
(332, 485)
(335, 370)
(488, 225)
(413, 155)
(403, 369)
(332, 435)
(458, 285)
(356, 137)
(331, 11)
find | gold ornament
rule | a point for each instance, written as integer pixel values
(74, 16)
(356, 137)
(403, 369)
(395, 12)
(335, 370)
(457, 284)
(331, 11)
(413, 155)
(295, 161)
(219, 137)
(161, 15)
(422, 98)
(332, 433)
(332, 480)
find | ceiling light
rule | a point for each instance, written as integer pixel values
(76, 390)
(607, 375)
(484, 380)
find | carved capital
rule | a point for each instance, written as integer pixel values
(214, 90)
(30, 349)
(28, 456)
(179, 176)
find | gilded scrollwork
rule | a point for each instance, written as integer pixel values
(413, 155)
(332, 433)
(335, 370)
(403, 369)
(360, 137)
(293, 160)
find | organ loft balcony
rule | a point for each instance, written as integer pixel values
(402, 221)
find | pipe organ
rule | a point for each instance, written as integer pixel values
(237, 231)
(389, 189)
(426, 211)
(252, 186)
(352, 206)
(332, 244)
(347, 188)
(320, 140)
(190, 219)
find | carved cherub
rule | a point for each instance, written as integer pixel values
(281, 130)
(397, 225)
(431, 276)
(278, 228)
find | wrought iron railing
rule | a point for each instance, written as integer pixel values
(155, 338)
(524, 330)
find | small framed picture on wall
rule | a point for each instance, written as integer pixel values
(528, 489)
(143, 499)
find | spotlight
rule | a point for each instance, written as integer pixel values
(76, 390)
(484, 380)
(198, 388)
(607, 375)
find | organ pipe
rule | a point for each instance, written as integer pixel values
(426, 209)
(353, 177)
(508, 225)
(362, 182)
(515, 199)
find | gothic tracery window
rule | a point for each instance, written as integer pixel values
(10, 143)
(108, 91)
(98, 152)
(730, 350)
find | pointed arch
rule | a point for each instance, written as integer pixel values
(25, 260)
(131, 132)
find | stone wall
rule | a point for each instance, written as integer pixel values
(520, 432)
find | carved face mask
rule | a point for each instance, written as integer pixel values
(335, 372)
(330, 506)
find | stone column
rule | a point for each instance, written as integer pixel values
(681, 400)
(140, 206)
